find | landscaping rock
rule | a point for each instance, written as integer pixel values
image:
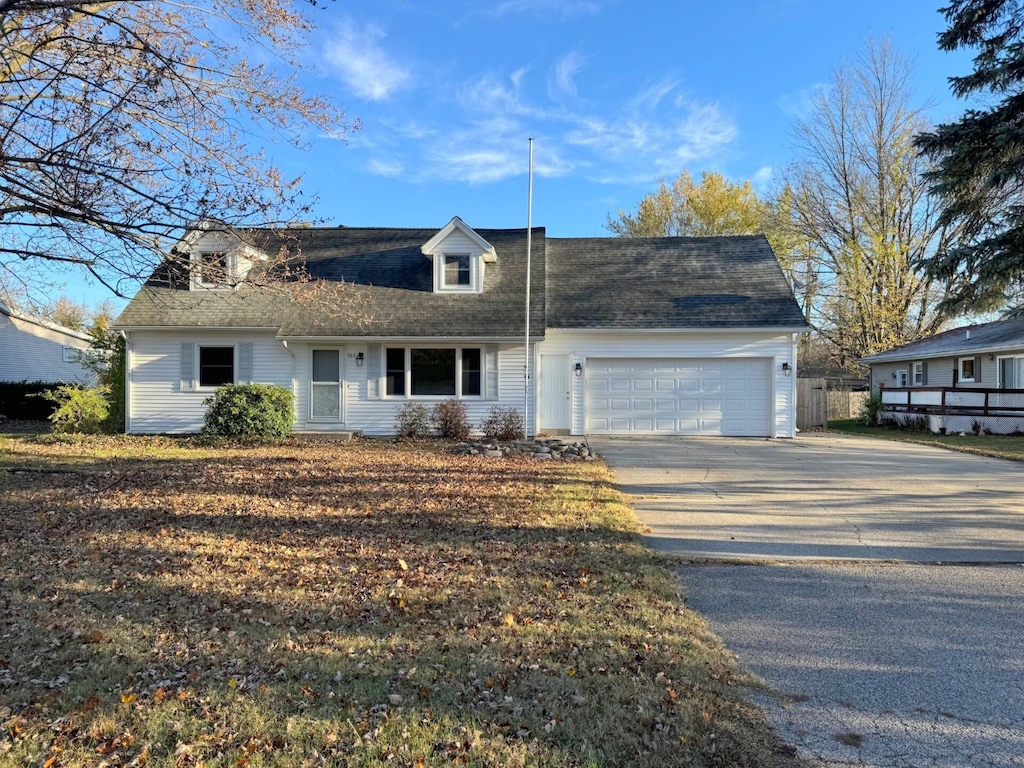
(565, 449)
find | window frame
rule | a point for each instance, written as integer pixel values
(917, 373)
(961, 379)
(1000, 384)
(199, 386)
(444, 285)
(407, 395)
(229, 268)
(901, 376)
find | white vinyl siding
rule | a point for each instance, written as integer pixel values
(157, 403)
(582, 346)
(30, 352)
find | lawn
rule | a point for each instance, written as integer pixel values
(999, 446)
(163, 603)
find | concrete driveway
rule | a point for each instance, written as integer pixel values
(820, 497)
(872, 664)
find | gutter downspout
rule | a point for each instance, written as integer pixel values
(295, 394)
(127, 382)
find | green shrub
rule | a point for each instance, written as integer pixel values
(869, 413)
(249, 410)
(78, 409)
(412, 420)
(503, 424)
(21, 400)
(450, 420)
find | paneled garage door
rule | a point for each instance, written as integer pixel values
(723, 396)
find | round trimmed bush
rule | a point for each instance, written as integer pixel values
(249, 410)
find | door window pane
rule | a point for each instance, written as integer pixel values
(216, 366)
(326, 365)
(1007, 372)
(470, 372)
(433, 372)
(326, 401)
(396, 371)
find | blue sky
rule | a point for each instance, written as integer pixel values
(617, 93)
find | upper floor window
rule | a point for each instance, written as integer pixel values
(213, 268)
(457, 270)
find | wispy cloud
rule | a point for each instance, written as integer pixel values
(478, 135)
(801, 103)
(562, 82)
(561, 8)
(763, 176)
(356, 55)
(381, 167)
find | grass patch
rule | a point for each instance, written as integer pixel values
(998, 446)
(171, 604)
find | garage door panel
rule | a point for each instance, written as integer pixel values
(729, 396)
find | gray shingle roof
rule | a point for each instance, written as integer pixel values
(388, 270)
(1001, 334)
(716, 282)
(668, 282)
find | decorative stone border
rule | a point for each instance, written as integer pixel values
(541, 449)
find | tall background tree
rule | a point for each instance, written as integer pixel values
(123, 122)
(979, 173)
(861, 205)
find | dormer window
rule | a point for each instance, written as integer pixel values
(457, 270)
(459, 255)
(212, 269)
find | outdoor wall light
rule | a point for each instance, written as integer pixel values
(894, 374)
(579, 369)
(786, 368)
(360, 357)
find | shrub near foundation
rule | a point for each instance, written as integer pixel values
(249, 410)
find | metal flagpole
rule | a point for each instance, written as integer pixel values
(529, 244)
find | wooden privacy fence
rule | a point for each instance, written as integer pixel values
(816, 404)
(811, 404)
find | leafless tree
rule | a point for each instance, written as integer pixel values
(123, 122)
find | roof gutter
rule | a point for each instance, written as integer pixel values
(886, 358)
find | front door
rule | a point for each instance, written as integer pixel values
(553, 410)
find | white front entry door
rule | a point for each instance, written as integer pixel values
(553, 409)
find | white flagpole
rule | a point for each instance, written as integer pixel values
(529, 243)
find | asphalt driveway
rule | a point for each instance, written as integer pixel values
(820, 497)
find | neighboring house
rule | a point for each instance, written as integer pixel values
(666, 335)
(969, 373)
(32, 349)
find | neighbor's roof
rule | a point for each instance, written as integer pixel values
(668, 282)
(986, 337)
(646, 283)
(48, 325)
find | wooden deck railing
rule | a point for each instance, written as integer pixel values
(949, 401)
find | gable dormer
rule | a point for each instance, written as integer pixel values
(218, 258)
(458, 255)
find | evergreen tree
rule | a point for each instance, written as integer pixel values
(979, 171)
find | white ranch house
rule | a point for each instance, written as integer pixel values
(33, 349)
(689, 336)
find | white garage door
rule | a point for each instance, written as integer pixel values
(723, 396)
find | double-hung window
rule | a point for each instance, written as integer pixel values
(433, 372)
(216, 366)
(918, 373)
(966, 370)
(214, 269)
(456, 271)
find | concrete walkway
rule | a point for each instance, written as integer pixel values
(821, 497)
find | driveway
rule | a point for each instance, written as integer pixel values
(820, 497)
(867, 663)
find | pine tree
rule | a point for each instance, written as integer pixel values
(979, 171)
